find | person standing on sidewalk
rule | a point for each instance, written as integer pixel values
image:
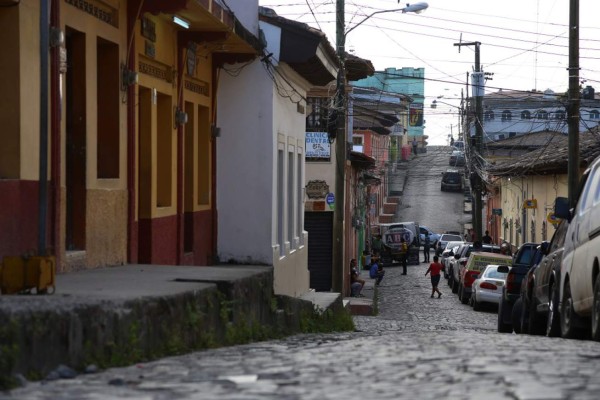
(426, 247)
(434, 268)
(414, 145)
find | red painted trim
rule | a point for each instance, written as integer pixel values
(55, 148)
(18, 217)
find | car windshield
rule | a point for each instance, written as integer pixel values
(525, 255)
(451, 238)
(493, 273)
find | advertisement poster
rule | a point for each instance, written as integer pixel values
(416, 114)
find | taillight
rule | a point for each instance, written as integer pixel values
(488, 285)
(511, 285)
(470, 277)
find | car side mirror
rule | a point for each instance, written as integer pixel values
(544, 247)
(561, 208)
(457, 256)
(503, 269)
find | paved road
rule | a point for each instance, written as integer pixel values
(416, 348)
(424, 202)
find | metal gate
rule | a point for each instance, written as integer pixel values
(319, 226)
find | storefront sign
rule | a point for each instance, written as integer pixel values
(317, 145)
(496, 211)
(317, 189)
(532, 203)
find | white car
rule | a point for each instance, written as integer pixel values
(580, 278)
(487, 288)
(448, 253)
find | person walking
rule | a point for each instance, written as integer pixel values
(404, 255)
(414, 145)
(434, 268)
(426, 247)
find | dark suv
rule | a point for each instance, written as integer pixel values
(511, 292)
(451, 180)
(540, 298)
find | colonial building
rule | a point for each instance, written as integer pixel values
(509, 113)
(522, 190)
(262, 147)
(125, 150)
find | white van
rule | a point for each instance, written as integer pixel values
(580, 266)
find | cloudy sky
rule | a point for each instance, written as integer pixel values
(524, 43)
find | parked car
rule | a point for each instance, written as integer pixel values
(443, 241)
(433, 237)
(541, 296)
(580, 286)
(447, 254)
(521, 308)
(476, 262)
(459, 145)
(511, 292)
(452, 180)
(460, 260)
(487, 288)
(457, 158)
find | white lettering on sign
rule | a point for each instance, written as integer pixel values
(317, 145)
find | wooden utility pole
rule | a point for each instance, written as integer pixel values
(477, 143)
(337, 275)
(573, 102)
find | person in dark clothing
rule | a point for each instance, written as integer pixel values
(487, 239)
(426, 247)
(376, 272)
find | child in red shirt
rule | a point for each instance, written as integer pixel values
(435, 267)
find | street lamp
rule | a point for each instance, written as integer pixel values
(341, 146)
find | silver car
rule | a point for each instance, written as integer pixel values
(487, 288)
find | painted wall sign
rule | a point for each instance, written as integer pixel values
(317, 189)
(531, 203)
(317, 145)
(416, 114)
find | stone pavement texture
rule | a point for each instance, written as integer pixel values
(121, 315)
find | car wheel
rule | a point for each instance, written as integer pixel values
(536, 327)
(553, 322)
(517, 311)
(450, 278)
(502, 326)
(567, 314)
(596, 312)
(463, 297)
(454, 285)
(524, 316)
(476, 304)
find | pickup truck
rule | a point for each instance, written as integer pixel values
(511, 292)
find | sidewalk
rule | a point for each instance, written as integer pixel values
(122, 315)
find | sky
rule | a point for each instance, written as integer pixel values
(524, 44)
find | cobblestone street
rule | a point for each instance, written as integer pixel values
(417, 347)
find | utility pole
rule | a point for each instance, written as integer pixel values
(337, 275)
(573, 101)
(477, 142)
